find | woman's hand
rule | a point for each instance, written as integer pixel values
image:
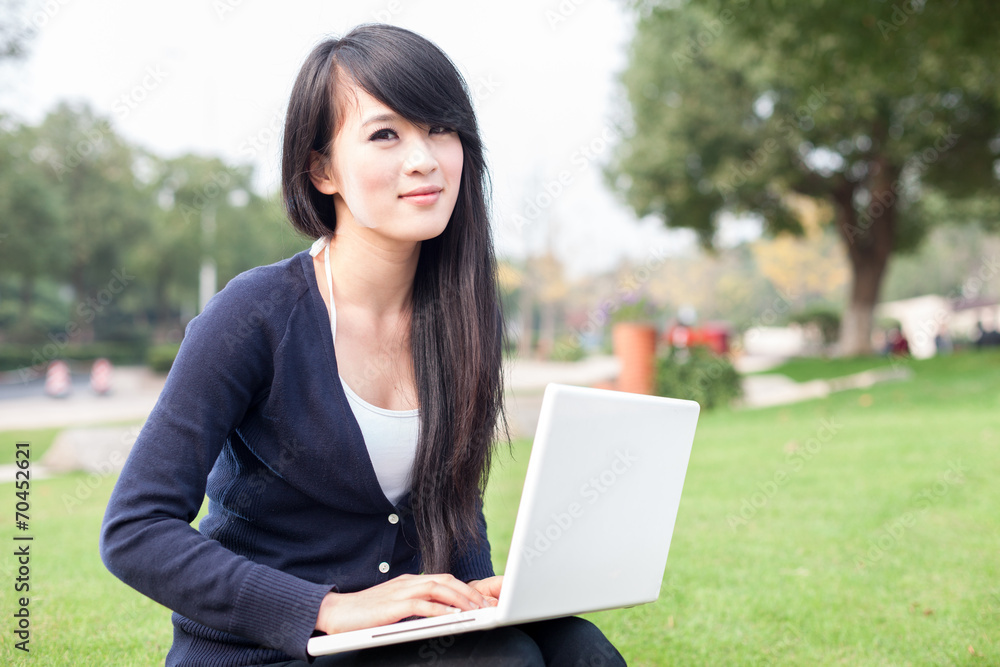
(406, 595)
(489, 588)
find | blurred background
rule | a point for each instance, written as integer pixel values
(789, 212)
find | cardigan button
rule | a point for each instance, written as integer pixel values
(383, 567)
(393, 518)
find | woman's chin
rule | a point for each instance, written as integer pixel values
(419, 231)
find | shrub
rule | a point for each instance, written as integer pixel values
(697, 374)
(567, 349)
(37, 357)
(161, 357)
(826, 319)
(638, 310)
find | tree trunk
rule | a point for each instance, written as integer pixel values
(856, 324)
(868, 239)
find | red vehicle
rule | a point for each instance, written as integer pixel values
(713, 335)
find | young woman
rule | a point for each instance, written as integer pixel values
(339, 407)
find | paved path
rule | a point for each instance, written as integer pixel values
(135, 390)
(761, 391)
(134, 393)
(87, 443)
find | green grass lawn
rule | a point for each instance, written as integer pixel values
(40, 439)
(861, 529)
(803, 369)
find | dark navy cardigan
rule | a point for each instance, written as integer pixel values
(254, 415)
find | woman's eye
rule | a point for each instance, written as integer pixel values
(384, 133)
(387, 133)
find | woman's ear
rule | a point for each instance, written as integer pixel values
(320, 173)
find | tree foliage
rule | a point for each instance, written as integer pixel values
(16, 29)
(102, 240)
(870, 105)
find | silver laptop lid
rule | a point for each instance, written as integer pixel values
(595, 534)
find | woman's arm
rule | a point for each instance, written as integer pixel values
(146, 538)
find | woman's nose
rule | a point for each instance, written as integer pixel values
(420, 158)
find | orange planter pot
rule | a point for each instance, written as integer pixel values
(635, 346)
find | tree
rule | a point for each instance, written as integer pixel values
(107, 209)
(15, 29)
(868, 105)
(204, 208)
(807, 267)
(103, 240)
(32, 219)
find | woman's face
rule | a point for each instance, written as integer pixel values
(379, 159)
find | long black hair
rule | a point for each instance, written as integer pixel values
(457, 329)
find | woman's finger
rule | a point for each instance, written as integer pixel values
(448, 589)
(426, 608)
(489, 587)
(398, 598)
(437, 592)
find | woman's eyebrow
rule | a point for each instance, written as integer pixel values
(380, 118)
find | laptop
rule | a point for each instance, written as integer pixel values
(599, 503)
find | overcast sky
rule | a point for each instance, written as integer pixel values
(213, 77)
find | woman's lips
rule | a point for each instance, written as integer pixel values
(422, 200)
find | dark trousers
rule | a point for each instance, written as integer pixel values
(562, 642)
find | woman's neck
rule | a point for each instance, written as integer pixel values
(371, 272)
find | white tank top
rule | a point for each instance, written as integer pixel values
(390, 435)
